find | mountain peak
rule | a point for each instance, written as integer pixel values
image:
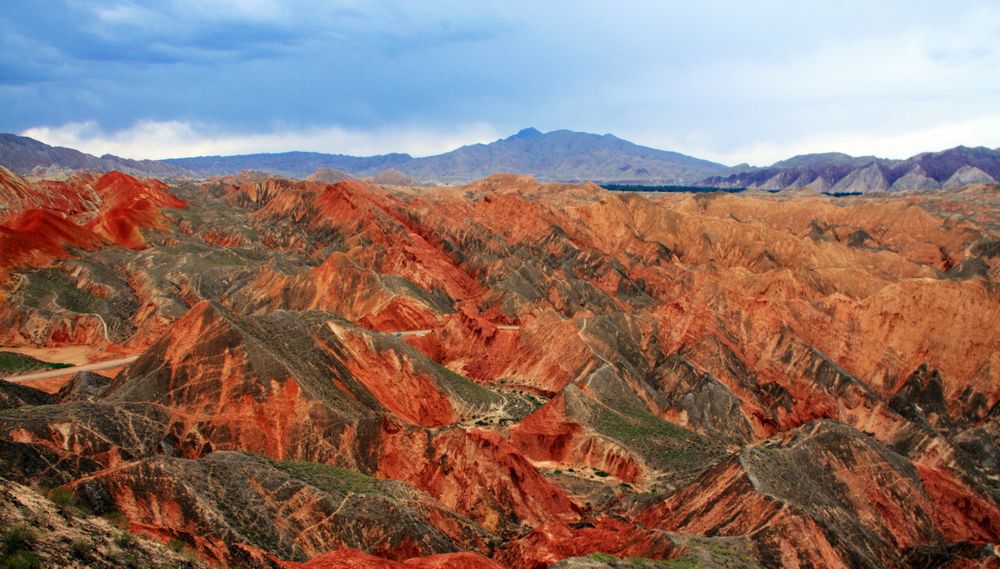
(529, 132)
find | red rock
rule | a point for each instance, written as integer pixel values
(353, 558)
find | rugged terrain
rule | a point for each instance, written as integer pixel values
(506, 373)
(840, 173)
(557, 156)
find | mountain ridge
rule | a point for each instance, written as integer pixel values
(555, 156)
(836, 172)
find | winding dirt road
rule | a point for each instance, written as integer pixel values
(97, 366)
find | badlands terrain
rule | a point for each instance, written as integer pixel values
(503, 374)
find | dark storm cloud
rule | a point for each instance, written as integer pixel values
(731, 81)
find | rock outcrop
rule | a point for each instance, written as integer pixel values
(513, 373)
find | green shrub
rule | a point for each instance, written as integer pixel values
(18, 537)
(12, 362)
(117, 519)
(326, 477)
(67, 500)
(82, 550)
(18, 541)
(125, 540)
(21, 560)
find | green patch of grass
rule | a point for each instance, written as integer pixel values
(125, 540)
(11, 362)
(18, 537)
(55, 286)
(21, 560)
(18, 542)
(82, 549)
(126, 560)
(326, 477)
(659, 441)
(67, 501)
(682, 562)
(466, 389)
(678, 563)
(117, 519)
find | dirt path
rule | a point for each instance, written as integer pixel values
(418, 333)
(72, 370)
(97, 366)
(412, 332)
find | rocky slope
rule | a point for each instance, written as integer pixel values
(561, 155)
(840, 173)
(558, 155)
(25, 156)
(513, 373)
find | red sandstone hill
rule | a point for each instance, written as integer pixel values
(513, 374)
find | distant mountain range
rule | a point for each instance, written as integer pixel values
(841, 173)
(23, 155)
(292, 164)
(561, 155)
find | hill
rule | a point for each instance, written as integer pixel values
(291, 164)
(562, 156)
(839, 173)
(24, 156)
(505, 374)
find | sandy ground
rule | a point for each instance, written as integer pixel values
(45, 380)
(78, 355)
(52, 384)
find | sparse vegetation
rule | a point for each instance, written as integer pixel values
(21, 560)
(67, 501)
(125, 540)
(18, 543)
(117, 519)
(659, 441)
(685, 562)
(82, 550)
(11, 362)
(54, 286)
(326, 477)
(466, 389)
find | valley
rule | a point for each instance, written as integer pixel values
(506, 373)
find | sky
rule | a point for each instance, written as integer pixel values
(738, 81)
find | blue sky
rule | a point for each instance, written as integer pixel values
(730, 81)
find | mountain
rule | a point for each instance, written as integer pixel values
(557, 156)
(562, 156)
(291, 164)
(836, 172)
(505, 374)
(23, 155)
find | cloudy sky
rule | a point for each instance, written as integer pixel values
(736, 81)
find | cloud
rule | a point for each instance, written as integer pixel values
(712, 78)
(174, 139)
